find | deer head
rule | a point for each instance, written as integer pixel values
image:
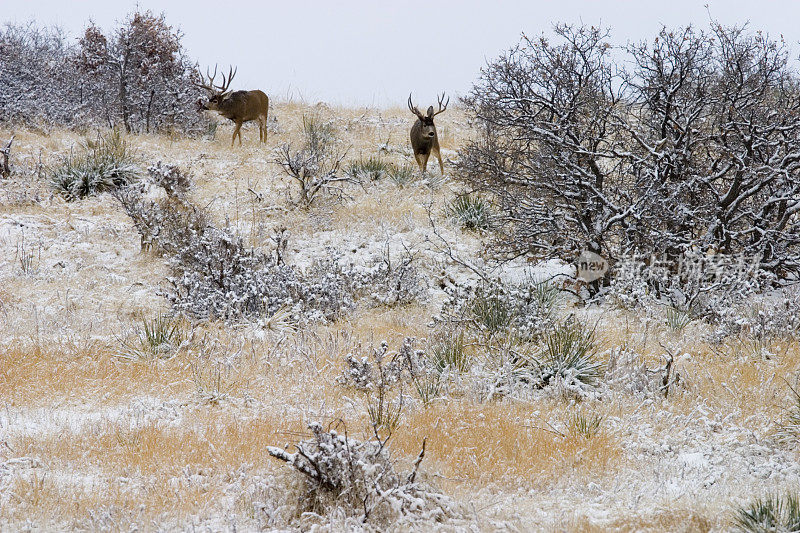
(217, 93)
(428, 129)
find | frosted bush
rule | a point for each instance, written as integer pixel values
(528, 309)
(358, 479)
(213, 273)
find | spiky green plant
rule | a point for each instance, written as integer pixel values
(773, 514)
(371, 168)
(428, 387)
(450, 354)
(491, 311)
(677, 319)
(97, 167)
(547, 296)
(569, 353)
(470, 211)
(402, 176)
(159, 337)
(586, 426)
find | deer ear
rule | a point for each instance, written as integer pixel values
(430, 112)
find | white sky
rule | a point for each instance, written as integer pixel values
(374, 53)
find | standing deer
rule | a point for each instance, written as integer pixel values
(424, 139)
(239, 106)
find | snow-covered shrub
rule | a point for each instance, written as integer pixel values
(707, 287)
(762, 317)
(493, 307)
(105, 165)
(316, 165)
(649, 150)
(137, 76)
(391, 280)
(381, 376)
(381, 368)
(213, 273)
(358, 478)
(628, 372)
(165, 225)
(38, 81)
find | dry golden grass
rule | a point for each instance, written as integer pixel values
(673, 520)
(35, 377)
(148, 471)
(505, 444)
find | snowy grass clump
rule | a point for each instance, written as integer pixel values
(494, 307)
(101, 166)
(470, 211)
(773, 514)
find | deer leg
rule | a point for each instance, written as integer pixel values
(439, 157)
(419, 157)
(237, 130)
(425, 162)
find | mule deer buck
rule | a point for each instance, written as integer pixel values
(424, 139)
(238, 106)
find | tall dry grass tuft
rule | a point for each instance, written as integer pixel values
(502, 443)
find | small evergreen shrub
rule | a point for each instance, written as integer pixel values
(370, 169)
(773, 514)
(470, 211)
(105, 165)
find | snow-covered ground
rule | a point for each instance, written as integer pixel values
(90, 439)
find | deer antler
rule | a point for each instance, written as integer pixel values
(413, 108)
(226, 82)
(441, 107)
(210, 85)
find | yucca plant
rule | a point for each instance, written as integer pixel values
(586, 426)
(569, 353)
(97, 167)
(547, 296)
(773, 514)
(449, 354)
(491, 311)
(676, 319)
(470, 211)
(402, 176)
(371, 168)
(429, 387)
(159, 337)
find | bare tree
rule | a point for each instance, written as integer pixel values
(689, 146)
(550, 143)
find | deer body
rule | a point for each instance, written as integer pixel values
(424, 139)
(238, 106)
